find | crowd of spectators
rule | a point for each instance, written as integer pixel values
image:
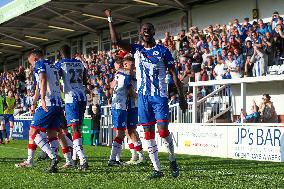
(230, 51)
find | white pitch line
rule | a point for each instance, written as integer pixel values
(12, 148)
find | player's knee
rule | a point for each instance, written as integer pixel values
(164, 133)
(149, 135)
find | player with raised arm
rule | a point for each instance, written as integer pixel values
(47, 115)
(73, 74)
(152, 61)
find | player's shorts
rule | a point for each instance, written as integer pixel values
(132, 118)
(152, 110)
(45, 120)
(9, 117)
(119, 119)
(75, 113)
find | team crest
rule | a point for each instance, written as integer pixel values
(156, 53)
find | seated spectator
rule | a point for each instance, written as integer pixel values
(253, 117)
(267, 110)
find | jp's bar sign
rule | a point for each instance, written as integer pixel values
(257, 143)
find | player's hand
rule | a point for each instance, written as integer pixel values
(43, 105)
(108, 12)
(32, 110)
(183, 104)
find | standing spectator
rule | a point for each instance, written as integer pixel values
(240, 60)
(94, 111)
(260, 60)
(267, 110)
(168, 40)
(233, 67)
(182, 39)
(275, 19)
(248, 49)
(278, 36)
(268, 43)
(219, 70)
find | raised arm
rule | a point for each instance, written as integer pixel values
(114, 38)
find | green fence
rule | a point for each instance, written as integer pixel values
(86, 131)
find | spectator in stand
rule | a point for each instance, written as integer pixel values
(278, 36)
(263, 28)
(248, 49)
(268, 43)
(240, 60)
(267, 110)
(253, 117)
(260, 60)
(275, 19)
(219, 70)
(233, 66)
(168, 40)
(182, 40)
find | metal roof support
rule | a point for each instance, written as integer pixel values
(87, 10)
(70, 19)
(50, 22)
(16, 39)
(180, 4)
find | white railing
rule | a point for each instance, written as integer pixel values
(214, 105)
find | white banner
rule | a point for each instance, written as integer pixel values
(260, 143)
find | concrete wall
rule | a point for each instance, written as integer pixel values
(225, 11)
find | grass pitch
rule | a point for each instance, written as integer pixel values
(196, 172)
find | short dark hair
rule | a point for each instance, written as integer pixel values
(267, 96)
(65, 51)
(149, 24)
(36, 52)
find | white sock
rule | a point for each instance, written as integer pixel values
(138, 149)
(67, 155)
(77, 145)
(133, 152)
(115, 150)
(168, 142)
(42, 142)
(69, 142)
(54, 146)
(11, 132)
(153, 153)
(31, 153)
(117, 158)
(74, 157)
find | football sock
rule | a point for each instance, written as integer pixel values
(139, 149)
(168, 142)
(77, 145)
(41, 140)
(133, 151)
(116, 148)
(53, 142)
(152, 149)
(31, 153)
(67, 155)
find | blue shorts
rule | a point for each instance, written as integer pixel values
(50, 119)
(119, 119)
(9, 117)
(132, 118)
(75, 113)
(152, 110)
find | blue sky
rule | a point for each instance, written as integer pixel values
(4, 2)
